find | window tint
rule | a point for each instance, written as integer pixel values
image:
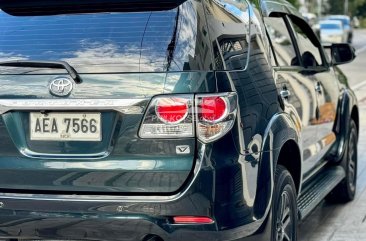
(345, 21)
(106, 42)
(330, 26)
(281, 41)
(307, 42)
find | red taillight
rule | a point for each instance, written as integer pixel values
(192, 220)
(169, 116)
(213, 108)
(172, 110)
(216, 115)
(174, 116)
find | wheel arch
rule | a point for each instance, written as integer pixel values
(282, 134)
(347, 109)
(290, 158)
(355, 117)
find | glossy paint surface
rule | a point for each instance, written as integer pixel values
(102, 47)
(126, 187)
(299, 88)
(120, 160)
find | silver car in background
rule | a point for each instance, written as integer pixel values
(332, 31)
(347, 26)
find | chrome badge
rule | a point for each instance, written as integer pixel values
(61, 86)
(184, 149)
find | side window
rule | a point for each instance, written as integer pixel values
(281, 41)
(309, 45)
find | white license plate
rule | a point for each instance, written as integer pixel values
(65, 126)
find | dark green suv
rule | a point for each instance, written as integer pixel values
(156, 120)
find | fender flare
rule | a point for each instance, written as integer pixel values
(347, 101)
(281, 128)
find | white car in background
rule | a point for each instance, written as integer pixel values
(331, 31)
(347, 26)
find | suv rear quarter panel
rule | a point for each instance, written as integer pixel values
(262, 126)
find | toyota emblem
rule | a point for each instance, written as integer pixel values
(61, 86)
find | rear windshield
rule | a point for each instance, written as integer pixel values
(330, 26)
(344, 21)
(107, 42)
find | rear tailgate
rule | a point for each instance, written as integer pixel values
(102, 150)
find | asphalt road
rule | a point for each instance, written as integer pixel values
(347, 222)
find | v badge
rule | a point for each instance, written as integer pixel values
(184, 149)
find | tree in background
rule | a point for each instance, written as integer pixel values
(337, 7)
(361, 11)
(313, 7)
(358, 8)
(295, 3)
(355, 7)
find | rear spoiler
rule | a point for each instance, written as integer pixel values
(53, 7)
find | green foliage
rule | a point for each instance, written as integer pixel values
(295, 3)
(361, 10)
(336, 7)
(355, 7)
(363, 23)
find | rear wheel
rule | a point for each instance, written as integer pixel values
(284, 207)
(346, 190)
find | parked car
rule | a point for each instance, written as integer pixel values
(310, 18)
(169, 120)
(331, 31)
(347, 26)
(355, 22)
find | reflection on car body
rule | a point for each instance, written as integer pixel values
(189, 119)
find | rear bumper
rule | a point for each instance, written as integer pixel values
(332, 39)
(51, 219)
(224, 190)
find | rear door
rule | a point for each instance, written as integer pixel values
(296, 90)
(60, 135)
(316, 69)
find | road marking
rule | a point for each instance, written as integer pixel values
(360, 50)
(359, 85)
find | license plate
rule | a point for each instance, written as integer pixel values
(65, 126)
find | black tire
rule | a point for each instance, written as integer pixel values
(345, 191)
(152, 238)
(350, 37)
(284, 207)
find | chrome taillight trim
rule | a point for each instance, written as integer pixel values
(190, 113)
(231, 113)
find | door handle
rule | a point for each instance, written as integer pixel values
(285, 94)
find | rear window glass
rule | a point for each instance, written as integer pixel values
(154, 41)
(330, 26)
(344, 21)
